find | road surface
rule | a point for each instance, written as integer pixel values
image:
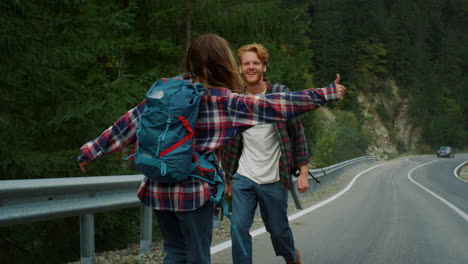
(411, 210)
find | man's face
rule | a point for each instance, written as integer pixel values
(252, 68)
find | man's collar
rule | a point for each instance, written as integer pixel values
(269, 88)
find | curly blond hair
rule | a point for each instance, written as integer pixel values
(261, 51)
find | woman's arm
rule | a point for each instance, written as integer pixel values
(119, 135)
(273, 107)
(269, 108)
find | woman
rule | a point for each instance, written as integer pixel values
(184, 210)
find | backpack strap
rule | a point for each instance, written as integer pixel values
(187, 126)
(294, 194)
(206, 164)
(190, 77)
(278, 88)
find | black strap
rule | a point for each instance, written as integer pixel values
(313, 177)
(295, 173)
(294, 196)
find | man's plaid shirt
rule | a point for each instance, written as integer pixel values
(222, 115)
(292, 140)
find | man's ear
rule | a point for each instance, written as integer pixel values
(264, 68)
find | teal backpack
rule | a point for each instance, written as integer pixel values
(165, 138)
(165, 133)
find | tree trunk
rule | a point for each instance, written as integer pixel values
(188, 25)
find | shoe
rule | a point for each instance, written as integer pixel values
(298, 258)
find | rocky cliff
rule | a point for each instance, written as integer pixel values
(387, 118)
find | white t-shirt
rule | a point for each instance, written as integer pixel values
(260, 154)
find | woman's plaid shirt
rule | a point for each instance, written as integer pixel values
(222, 115)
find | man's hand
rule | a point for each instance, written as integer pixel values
(303, 179)
(83, 166)
(340, 89)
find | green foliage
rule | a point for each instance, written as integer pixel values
(383, 113)
(369, 62)
(245, 22)
(444, 127)
(123, 226)
(401, 146)
(353, 140)
(57, 83)
(338, 140)
(324, 150)
(71, 68)
(29, 243)
(419, 44)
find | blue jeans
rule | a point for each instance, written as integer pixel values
(273, 201)
(187, 235)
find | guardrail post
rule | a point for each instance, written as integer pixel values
(146, 229)
(87, 238)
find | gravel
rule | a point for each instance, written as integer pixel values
(464, 172)
(131, 254)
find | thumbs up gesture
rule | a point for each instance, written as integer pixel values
(340, 89)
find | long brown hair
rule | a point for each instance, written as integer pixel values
(210, 59)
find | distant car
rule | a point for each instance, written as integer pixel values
(446, 152)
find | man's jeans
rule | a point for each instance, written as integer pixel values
(187, 235)
(273, 201)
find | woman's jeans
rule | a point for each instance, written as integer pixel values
(273, 201)
(187, 235)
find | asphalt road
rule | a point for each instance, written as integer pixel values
(412, 210)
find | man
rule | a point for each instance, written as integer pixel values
(258, 162)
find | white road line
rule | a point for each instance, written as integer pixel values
(450, 205)
(227, 244)
(455, 172)
(324, 202)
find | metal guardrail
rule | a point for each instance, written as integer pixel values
(327, 174)
(26, 201)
